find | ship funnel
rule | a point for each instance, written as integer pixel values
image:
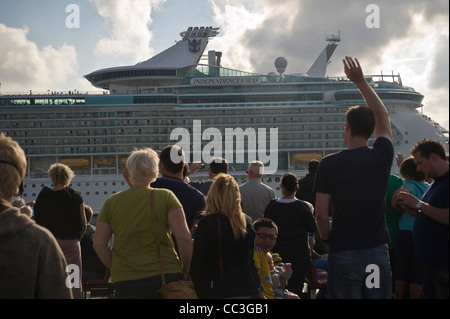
(214, 58)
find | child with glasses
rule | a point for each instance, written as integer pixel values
(266, 237)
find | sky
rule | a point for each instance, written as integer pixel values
(51, 44)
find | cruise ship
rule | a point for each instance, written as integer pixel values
(284, 120)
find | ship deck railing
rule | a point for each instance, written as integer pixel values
(55, 93)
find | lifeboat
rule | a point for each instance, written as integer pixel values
(123, 161)
(75, 162)
(306, 157)
(103, 162)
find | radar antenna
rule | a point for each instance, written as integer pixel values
(334, 38)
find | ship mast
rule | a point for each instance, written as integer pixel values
(319, 68)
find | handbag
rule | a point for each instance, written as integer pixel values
(182, 289)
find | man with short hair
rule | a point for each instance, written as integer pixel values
(172, 159)
(217, 165)
(431, 232)
(352, 186)
(255, 195)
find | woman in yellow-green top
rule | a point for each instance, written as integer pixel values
(134, 264)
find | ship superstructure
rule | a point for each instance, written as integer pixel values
(173, 98)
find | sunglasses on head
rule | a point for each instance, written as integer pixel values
(21, 186)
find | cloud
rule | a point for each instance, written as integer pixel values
(250, 28)
(23, 65)
(412, 39)
(127, 22)
(421, 57)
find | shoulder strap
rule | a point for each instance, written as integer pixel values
(153, 212)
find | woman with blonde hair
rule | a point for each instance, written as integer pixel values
(222, 262)
(61, 210)
(134, 261)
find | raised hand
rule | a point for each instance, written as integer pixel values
(353, 69)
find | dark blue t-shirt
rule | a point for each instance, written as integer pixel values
(357, 180)
(202, 186)
(193, 200)
(430, 237)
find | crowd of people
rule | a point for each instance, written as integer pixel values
(348, 215)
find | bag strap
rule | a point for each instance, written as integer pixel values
(269, 210)
(152, 211)
(219, 238)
